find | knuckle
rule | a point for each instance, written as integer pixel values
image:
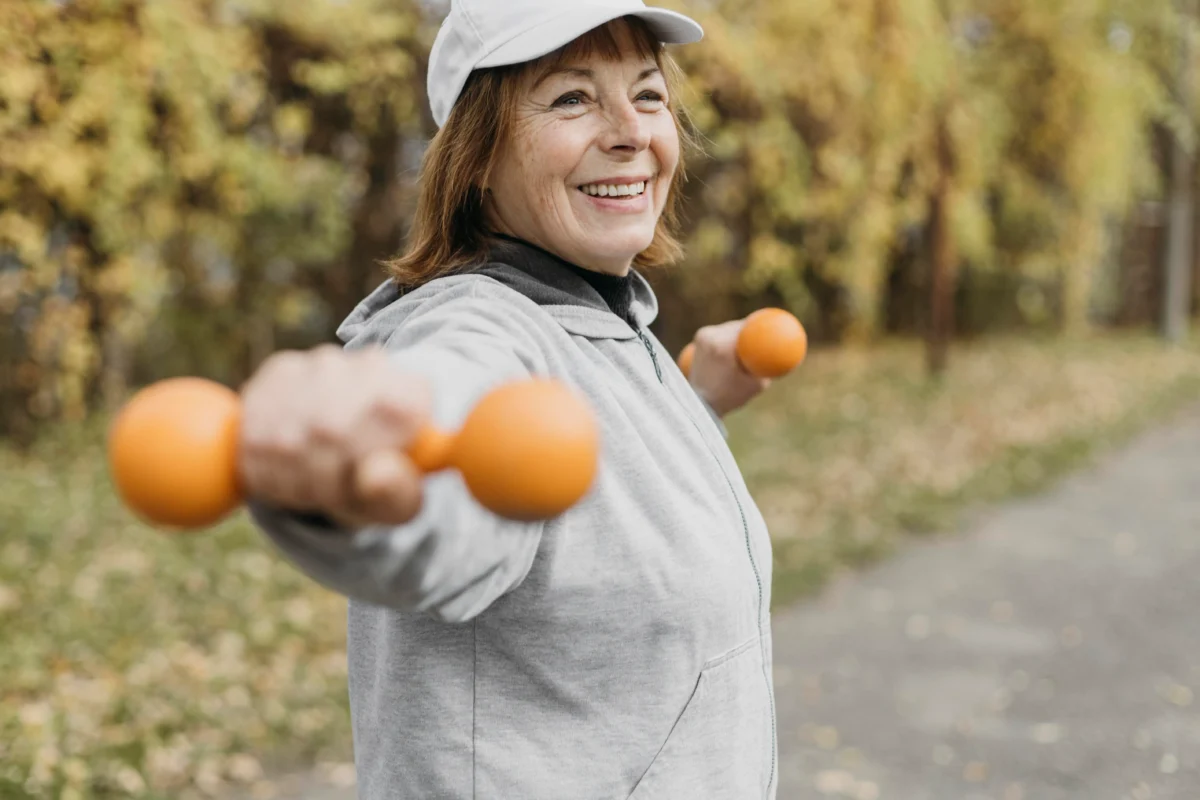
(290, 446)
(392, 407)
(326, 353)
(399, 400)
(331, 429)
(710, 337)
(287, 442)
(370, 355)
(285, 361)
(259, 435)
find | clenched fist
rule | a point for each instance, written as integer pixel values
(716, 373)
(326, 430)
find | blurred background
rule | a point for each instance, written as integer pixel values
(981, 210)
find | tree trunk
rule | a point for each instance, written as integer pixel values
(1177, 291)
(116, 367)
(1079, 275)
(379, 224)
(943, 263)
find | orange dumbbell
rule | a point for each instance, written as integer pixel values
(527, 451)
(771, 344)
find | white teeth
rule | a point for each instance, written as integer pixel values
(614, 190)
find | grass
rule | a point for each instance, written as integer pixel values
(138, 665)
(858, 449)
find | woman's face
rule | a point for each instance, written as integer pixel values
(586, 172)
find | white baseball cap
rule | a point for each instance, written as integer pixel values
(494, 33)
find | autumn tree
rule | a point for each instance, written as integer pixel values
(187, 185)
(188, 177)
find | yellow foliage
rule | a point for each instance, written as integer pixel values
(177, 166)
(824, 117)
(147, 143)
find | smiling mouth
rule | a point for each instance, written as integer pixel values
(619, 191)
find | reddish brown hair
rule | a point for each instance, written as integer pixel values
(449, 229)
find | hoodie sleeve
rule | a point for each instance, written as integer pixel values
(455, 558)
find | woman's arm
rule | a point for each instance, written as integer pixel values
(454, 558)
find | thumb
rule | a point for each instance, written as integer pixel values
(386, 488)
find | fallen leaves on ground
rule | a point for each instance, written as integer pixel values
(136, 664)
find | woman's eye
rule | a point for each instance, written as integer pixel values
(570, 99)
(651, 97)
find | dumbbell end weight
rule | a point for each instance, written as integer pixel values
(529, 450)
(771, 343)
(685, 360)
(172, 453)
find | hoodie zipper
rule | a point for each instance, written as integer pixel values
(653, 357)
(749, 550)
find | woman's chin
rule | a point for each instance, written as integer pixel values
(618, 245)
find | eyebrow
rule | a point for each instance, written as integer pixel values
(589, 74)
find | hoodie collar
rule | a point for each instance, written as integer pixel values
(562, 291)
(554, 284)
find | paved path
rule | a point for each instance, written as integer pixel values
(1050, 652)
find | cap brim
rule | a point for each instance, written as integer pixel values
(669, 26)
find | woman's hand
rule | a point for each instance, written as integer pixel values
(717, 375)
(326, 430)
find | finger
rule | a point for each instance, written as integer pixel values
(277, 481)
(719, 342)
(707, 338)
(403, 394)
(387, 488)
(285, 364)
(256, 480)
(397, 412)
(333, 414)
(269, 462)
(326, 476)
(305, 420)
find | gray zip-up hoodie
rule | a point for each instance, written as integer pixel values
(621, 650)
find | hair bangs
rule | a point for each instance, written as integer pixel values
(611, 42)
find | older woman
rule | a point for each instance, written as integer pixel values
(622, 649)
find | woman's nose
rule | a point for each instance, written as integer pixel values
(626, 128)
